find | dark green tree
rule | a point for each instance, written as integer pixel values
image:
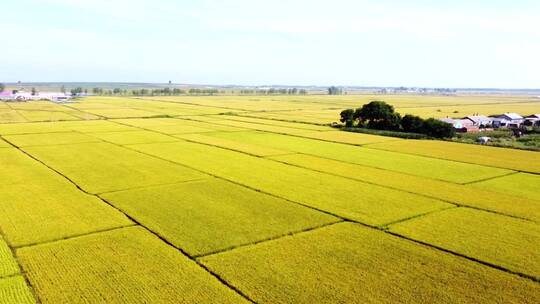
(34, 92)
(374, 112)
(378, 115)
(412, 123)
(392, 123)
(2, 87)
(347, 117)
(439, 129)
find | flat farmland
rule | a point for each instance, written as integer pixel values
(14, 290)
(49, 207)
(368, 204)
(473, 154)
(507, 242)
(8, 265)
(256, 199)
(520, 184)
(213, 215)
(119, 266)
(358, 265)
(452, 171)
(89, 163)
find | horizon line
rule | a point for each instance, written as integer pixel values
(273, 85)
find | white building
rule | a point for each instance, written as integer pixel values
(456, 123)
(25, 96)
(532, 120)
(508, 120)
(480, 120)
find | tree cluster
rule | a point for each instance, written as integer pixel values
(335, 91)
(203, 92)
(2, 87)
(77, 91)
(158, 92)
(445, 90)
(154, 92)
(379, 115)
(274, 91)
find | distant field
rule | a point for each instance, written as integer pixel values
(239, 199)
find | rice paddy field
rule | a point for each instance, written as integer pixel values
(255, 199)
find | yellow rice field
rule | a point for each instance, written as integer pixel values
(256, 199)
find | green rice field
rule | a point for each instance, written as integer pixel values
(256, 199)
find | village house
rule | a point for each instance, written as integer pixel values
(476, 123)
(26, 96)
(480, 121)
(462, 125)
(532, 120)
(465, 122)
(507, 120)
(456, 123)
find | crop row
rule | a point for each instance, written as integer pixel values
(38, 205)
(411, 164)
(370, 204)
(104, 167)
(483, 197)
(13, 288)
(211, 215)
(128, 265)
(347, 263)
(498, 240)
(520, 160)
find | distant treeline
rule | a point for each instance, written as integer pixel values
(154, 92)
(178, 92)
(378, 115)
(274, 91)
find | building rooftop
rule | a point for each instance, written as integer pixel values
(512, 115)
(478, 118)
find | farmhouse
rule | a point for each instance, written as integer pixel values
(462, 125)
(507, 120)
(479, 120)
(468, 125)
(456, 123)
(532, 120)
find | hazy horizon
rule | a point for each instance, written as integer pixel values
(485, 44)
(233, 85)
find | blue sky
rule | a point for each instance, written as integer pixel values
(298, 42)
